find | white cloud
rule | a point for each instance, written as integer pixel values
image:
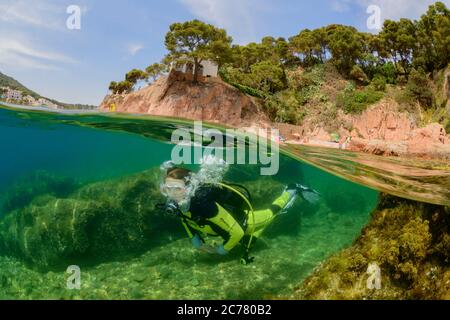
(26, 50)
(8, 59)
(233, 15)
(15, 53)
(36, 13)
(23, 20)
(134, 48)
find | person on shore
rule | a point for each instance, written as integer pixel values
(442, 136)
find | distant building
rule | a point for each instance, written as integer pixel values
(13, 94)
(46, 103)
(16, 96)
(208, 68)
(29, 100)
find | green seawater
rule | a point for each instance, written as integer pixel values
(81, 189)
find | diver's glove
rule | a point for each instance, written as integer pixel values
(197, 242)
(221, 250)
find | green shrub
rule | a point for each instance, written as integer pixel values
(285, 107)
(313, 77)
(355, 102)
(308, 84)
(350, 87)
(418, 88)
(250, 91)
(379, 83)
(265, 76)
(358, 74)
(389, 72)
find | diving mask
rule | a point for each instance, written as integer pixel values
(174, 189)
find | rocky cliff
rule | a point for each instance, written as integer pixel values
(211, 100)
(382, 129)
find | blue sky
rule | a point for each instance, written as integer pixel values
(76, 66)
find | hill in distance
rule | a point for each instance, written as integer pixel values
(7, 81)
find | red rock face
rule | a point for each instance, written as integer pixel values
(209, 100)
(428, 142)
(383, 122)
(381, 129)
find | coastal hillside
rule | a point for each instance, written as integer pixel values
(379, 118)
(385, 93)
(6, 81)
(23, 95)
(213, 101)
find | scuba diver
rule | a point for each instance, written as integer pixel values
(222, 210)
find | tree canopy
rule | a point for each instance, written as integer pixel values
(197, 41)
(155, 70)
(404, 51)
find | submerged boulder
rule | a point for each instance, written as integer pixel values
(96, 222)
(100, 222)
(406, 241)
(32, 185)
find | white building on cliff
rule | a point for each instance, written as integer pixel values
(208, 68)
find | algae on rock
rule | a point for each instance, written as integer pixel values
(408, 240)
(96, 222)
(38, 183)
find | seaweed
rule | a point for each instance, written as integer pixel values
(408, 240)
(97, 222)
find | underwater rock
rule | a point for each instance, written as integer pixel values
(35, 184)
(100, 222)
(96, 222)
(408, 241)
